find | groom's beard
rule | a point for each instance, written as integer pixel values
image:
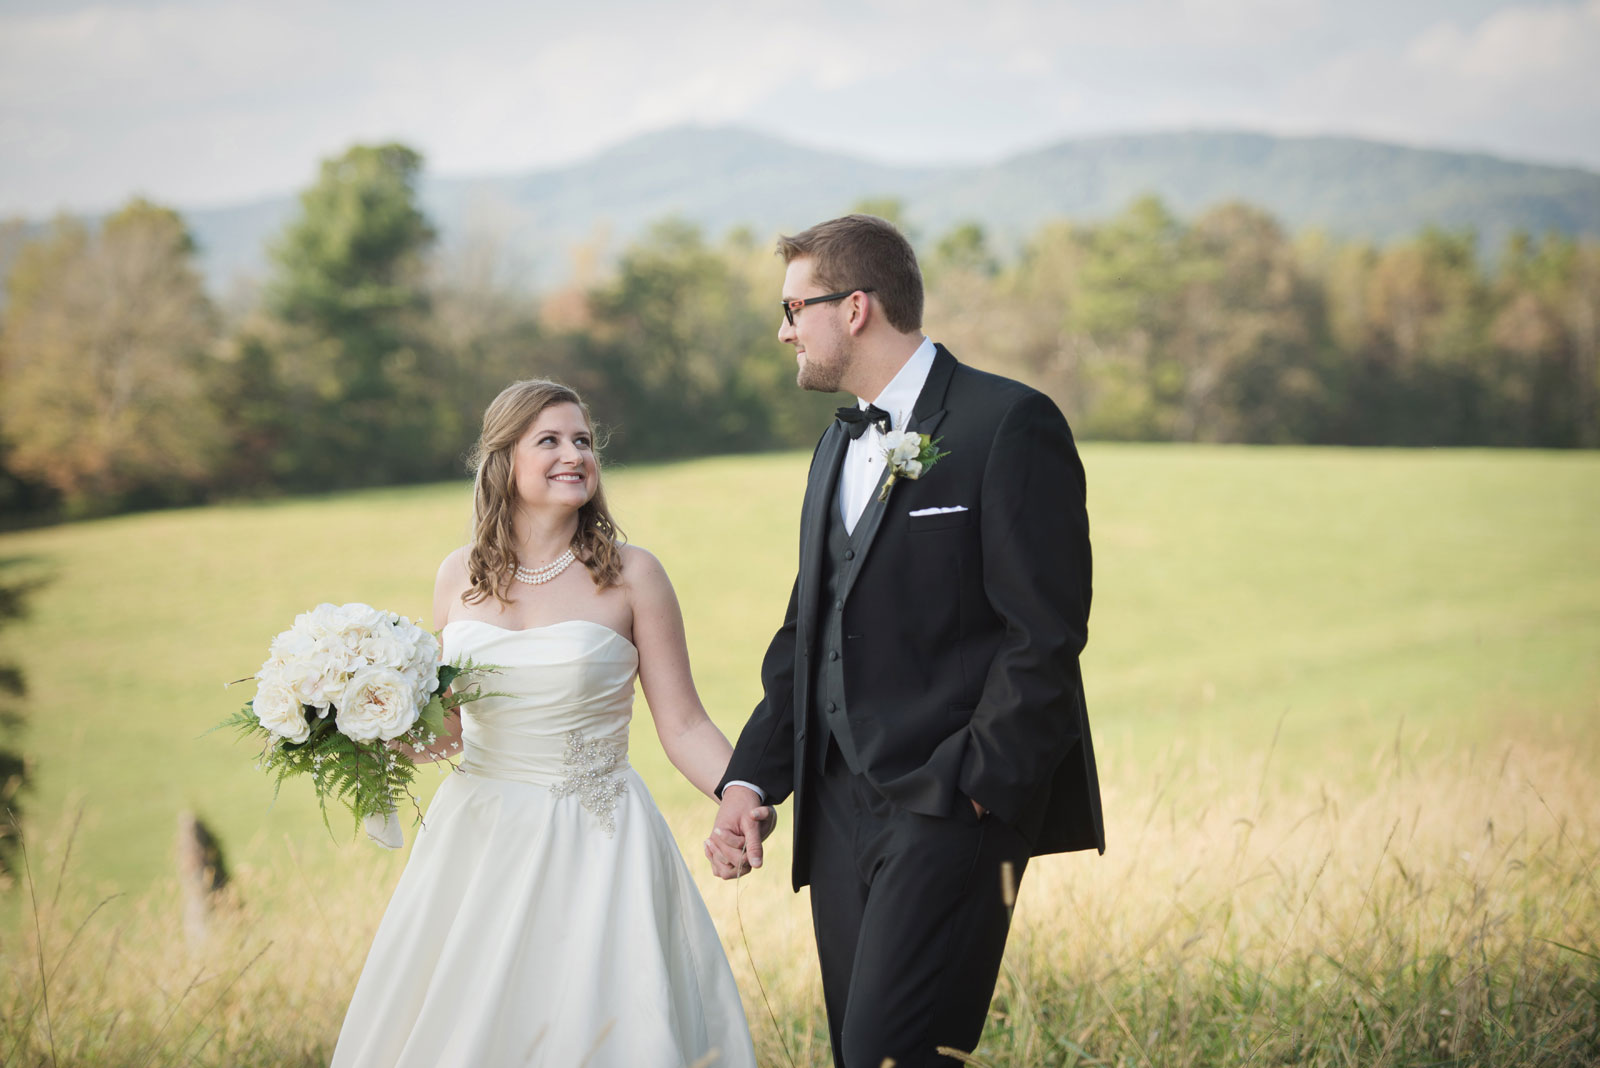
(823, 374)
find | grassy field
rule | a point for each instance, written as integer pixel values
(1345, 704)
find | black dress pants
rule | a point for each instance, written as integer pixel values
(910, 920)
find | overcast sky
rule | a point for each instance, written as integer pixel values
(200, 103)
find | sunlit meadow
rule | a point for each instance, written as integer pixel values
(1344, 702)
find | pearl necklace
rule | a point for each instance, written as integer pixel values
(538, 576)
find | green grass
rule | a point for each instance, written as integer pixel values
(1344, 702)
(1344, 593)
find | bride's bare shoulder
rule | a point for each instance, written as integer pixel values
(640, 566)
(454, 567)
(451, 582)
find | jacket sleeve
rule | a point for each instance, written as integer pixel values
(1037, 577)
(764, 753)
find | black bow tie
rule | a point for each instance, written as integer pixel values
(856, 420)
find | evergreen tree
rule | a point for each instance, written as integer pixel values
(347, 339)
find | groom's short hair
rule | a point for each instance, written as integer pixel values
(863, 252)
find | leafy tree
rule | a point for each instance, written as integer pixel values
(14, 235)
(1580, 313)
(1037, 311)
(889, 209)
(1248, 333)
(687, 342)
(964, 250)
(105, 361)
(1133, 278)
(1547, 300)
(344, 343)
(485, 333)
(1418, 376)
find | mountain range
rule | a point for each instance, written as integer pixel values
(722, 177)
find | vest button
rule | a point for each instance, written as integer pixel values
(832, 708)
(849, 554)
(833, 654)
(838, 606)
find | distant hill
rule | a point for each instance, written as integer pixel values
(1350, 187)
(725, 177)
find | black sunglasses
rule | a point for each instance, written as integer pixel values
(792, 306)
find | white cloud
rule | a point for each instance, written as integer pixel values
(1517, 45)
(202, 102)
(1520, 81)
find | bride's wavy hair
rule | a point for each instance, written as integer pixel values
(492, 558)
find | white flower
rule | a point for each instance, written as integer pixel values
(321, 622)
(302, 675)
(290, 644)
(364, 617)
(378, 703)
(902, 445)
(908, 455)
(423, 667)
(280, 711)
(316, 679)
(425, 682)
(386, 646)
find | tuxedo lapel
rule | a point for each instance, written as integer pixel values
(926, 416)
(822, 492)
(932, 402)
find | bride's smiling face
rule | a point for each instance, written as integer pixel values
(553, 462)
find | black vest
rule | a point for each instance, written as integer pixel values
(827, 685)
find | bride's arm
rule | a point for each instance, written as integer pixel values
(446, 746)
(692, 742)
(447, 588)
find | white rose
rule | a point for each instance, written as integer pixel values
(912, 469)
(425, 649)
(426, 681)
(337, 631)
(386, 647)
(903, 445)
(321, 622)
(355, 622)
(317, 680)
(290, 644)
(273, 674)
(365, 617)
(424, 664)
(378, 703)
(280, 711)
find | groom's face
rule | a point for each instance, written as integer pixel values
(821, 343)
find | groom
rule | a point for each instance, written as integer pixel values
(923, 702)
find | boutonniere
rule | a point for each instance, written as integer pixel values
(909, 454)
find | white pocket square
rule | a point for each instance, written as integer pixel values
(939, 511)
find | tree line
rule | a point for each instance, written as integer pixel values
(367, 355)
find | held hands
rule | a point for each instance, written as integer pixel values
(742, 823)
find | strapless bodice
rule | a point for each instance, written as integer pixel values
(570, 687)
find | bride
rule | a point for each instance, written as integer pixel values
(545, 916)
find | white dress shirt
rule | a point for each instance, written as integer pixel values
(863, 457)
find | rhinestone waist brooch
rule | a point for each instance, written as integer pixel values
(591, 776)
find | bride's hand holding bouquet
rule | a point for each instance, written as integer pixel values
(346, 695)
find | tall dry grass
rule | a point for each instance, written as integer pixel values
(1444, 911)
(1447, 914)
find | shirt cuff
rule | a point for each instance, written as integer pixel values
(752, 787)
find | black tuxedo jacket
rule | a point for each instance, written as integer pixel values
(962, 629)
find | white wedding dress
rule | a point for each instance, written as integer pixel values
(545, 916)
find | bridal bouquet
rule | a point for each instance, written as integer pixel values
(344, 695)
